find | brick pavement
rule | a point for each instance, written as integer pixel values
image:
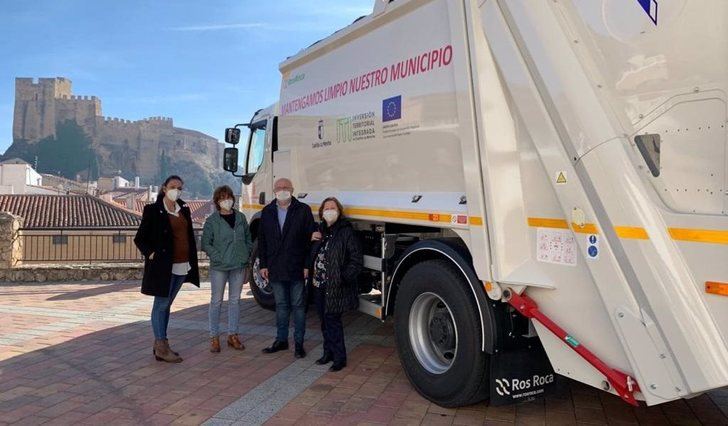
(80, 354)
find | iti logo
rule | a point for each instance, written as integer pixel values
(650, 6)
(343, 130)
(502, 387)
(321, 129)
(392, 108)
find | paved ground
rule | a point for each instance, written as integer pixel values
(80, 354)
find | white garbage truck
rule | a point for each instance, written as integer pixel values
(541, 188)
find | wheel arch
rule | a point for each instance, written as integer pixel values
(264, 299)
(454, 251)
(254, 225)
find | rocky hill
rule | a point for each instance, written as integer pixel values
(68, 135)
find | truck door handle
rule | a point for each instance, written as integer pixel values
(261, 198)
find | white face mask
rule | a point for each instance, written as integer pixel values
(330, 215)
(283, 195)
(225, 204)
(172, 194)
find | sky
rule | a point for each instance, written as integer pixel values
(207, 64)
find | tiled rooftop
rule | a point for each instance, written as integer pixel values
(67, 211)
(200, 209)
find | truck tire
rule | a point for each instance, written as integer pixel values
(262, 291)
(438, 335)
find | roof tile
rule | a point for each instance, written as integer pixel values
(67, 211)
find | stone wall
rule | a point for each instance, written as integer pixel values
(11, 247)
(12, 269)
(96, 273)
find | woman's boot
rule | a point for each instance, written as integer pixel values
(215, 344)
(166, 342)
(170, 348)
(234, 342)
(163, 353)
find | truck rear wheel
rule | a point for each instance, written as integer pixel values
(438, 335)
(261, 289)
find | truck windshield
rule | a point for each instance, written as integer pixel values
(256, 148)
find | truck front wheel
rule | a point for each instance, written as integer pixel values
(438, 335)
(261, 289)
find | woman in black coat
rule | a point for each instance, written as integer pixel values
(167, 241)
(337, 260)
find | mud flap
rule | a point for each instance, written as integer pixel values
(519, 375)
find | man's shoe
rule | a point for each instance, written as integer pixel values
(337, 366)
(300, 352)
(327, 358)
(275, 347)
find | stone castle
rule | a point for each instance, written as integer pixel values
(132, 147)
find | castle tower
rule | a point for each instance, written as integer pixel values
(35, 106)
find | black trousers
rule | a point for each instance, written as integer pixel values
(332, 329)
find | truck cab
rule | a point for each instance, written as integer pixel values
(257, 162)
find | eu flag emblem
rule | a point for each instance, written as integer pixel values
(392, 108)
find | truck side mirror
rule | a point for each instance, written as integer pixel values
(232, 135)
(230, 159)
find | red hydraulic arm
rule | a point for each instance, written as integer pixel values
(622, 383)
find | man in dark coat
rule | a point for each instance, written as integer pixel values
(284, 240)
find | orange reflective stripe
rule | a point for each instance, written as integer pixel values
(393, 214)
(713, 287)
(540, 222)
(712, 236)
(628, 232)
(631, 232)
(399, 214)
(588, 228)
(699, 235)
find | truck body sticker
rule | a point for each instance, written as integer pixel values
(650, 7)
(556, 246)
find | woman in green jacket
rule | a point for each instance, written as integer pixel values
(226, 240)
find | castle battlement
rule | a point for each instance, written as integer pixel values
(80, 98)
(25, 81)
(32, 89)
(156, 121)
(30, 81)
(152, 119)
(115, 120)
